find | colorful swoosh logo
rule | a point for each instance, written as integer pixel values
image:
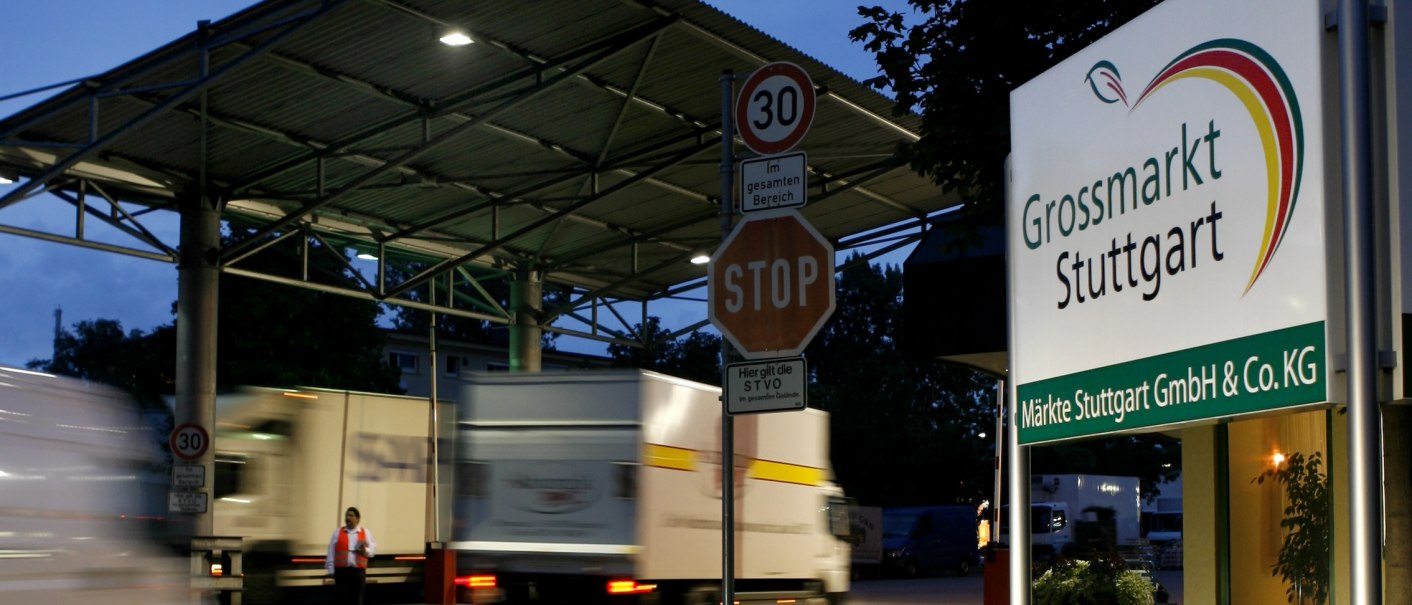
(1263, 88)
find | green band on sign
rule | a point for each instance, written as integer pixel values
(1270, 371)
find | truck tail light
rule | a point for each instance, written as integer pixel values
(476, 581)
(629, 587)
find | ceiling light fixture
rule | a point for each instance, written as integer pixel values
(4, 180)
(456, 39)
(700, 259)
(367, 256)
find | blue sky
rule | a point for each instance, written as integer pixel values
(52, 41)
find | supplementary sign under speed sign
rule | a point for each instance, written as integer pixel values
(189, 441)
(775, 108)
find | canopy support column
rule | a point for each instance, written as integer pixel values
(526, 307)
(197, 289)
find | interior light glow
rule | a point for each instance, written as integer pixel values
(455, 39)
(700, 259)
(367, 256)
(1279, 459)
(5, 180)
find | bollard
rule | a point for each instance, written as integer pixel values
(208, 551)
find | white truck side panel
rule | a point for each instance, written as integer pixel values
(668, 431)
(387, 451)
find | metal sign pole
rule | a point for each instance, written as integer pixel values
(1364, 423)
(727, 422)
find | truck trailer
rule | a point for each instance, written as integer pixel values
(1068, 511)
(605, 487)
(288, 463)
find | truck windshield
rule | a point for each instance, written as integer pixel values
(1043, 520)
(1166, 522)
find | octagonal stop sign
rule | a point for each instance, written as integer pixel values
(771, 284)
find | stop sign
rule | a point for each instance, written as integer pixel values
(771, 284)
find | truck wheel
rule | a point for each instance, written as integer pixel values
(963, 568)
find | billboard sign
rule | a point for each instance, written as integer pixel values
(1167, 223)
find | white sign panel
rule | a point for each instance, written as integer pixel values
(768, 385)
(186, 502)
(777, 181)
(1166, 222)
(186, 474)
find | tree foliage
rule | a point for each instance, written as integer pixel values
(465, 329)
(268, 335)
(956, 69)
(903, 431)
(1303, 561)
(695, 356)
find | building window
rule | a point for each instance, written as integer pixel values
(454, 364)
(407, 362)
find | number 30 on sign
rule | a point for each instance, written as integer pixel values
(189, 441)
(775, 108)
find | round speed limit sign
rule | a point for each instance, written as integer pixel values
(189, 441)
(775, 108)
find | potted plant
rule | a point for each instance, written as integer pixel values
(1304, 554)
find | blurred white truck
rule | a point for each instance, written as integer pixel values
(80, 477)
(598, 487)
(1063, 506)
(866, 537)
(289, 462)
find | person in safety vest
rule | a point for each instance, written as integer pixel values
(348, 552)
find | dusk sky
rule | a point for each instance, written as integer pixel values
(53, 41)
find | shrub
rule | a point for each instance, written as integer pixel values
(1100, 582)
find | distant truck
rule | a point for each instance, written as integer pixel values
(289, 462)
(1081, 511)
(1162, 523)
(598, 487)
(865, 535)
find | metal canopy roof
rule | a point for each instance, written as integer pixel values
(575, 138)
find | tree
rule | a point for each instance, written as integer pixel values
(269, 335)
(695, 356)
(99, 351)
(903, 431)
(957, 67)
(464, 329)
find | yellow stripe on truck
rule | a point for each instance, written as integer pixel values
(785, 473)
(665, 456)
(682, 459)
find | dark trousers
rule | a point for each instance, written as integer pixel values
(348, 582)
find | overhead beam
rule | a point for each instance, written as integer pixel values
(612, 47)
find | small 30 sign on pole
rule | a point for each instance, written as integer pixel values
(775, 108)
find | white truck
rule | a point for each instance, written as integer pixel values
(80, 477)
(605, 487)
(866, 537)
(1067, 510)
(289, 462)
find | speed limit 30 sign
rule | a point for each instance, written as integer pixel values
(775, 108)
(189, 441)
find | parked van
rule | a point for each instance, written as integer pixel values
(919, 540)
(75, 462)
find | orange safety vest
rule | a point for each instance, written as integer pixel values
(340, 550)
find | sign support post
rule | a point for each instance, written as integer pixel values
(727, 421)
(1364, 422)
